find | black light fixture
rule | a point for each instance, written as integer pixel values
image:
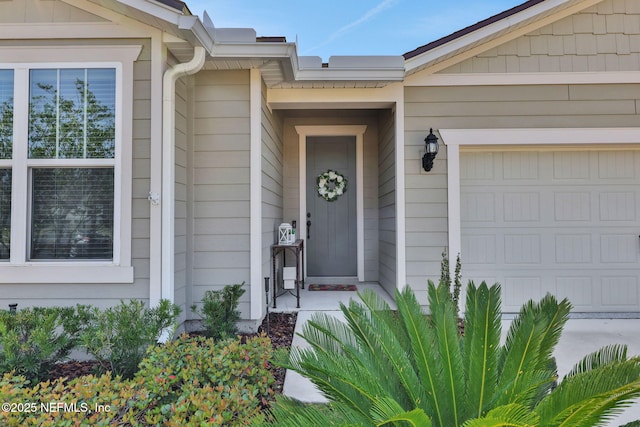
(431, 148)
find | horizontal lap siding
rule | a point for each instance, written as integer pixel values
(181, 199)
(387, 203)
(272, 181)
(221, 181)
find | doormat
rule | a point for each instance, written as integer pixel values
(316, 287)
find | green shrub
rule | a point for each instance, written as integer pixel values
(218, 383)
(186, 382)
(381, 368)
(33, 339)
(220, 311)
(119, 336)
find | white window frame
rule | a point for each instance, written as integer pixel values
(19, 269)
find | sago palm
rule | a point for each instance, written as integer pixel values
(386, 368)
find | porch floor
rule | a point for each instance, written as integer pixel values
(322, 300)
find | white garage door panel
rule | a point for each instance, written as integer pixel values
(565, 222)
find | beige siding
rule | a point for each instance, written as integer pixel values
(272, 181)
(141, 172)
(181, 249)
(605, 37)
(221, 181)
(43, 11)
(370, 159)
(387, 202)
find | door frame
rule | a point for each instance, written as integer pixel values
(356, 131)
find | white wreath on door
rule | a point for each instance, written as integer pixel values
(331, 185)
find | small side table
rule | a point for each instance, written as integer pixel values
(297, 248)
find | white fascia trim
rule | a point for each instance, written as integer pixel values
(384, 97)
(457, 139)
(492, 30)
(288, 53)
(193, 24)
(168, 165)
(506, 79)
(255, 204)
(338, 130)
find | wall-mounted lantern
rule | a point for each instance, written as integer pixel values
(431, 148)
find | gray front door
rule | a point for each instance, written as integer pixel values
(331, 226)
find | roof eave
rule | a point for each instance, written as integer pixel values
(485, 33)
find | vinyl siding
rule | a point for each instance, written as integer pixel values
(221, 183)
(181, 248)
(387, 203)
(605, 37)
(272, 181)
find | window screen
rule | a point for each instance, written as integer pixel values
(72, 114)
(5, 213)
(6, 113)
(72, 213)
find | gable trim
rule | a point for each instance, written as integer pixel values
(494, 34)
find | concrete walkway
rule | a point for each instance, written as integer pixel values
(580, 337)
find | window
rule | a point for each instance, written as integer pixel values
(71, 118)
(6, 140)
(66, 164)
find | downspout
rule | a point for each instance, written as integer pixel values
(170, 77)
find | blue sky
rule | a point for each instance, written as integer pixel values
(352, 27)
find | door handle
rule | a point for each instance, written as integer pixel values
(308, 225)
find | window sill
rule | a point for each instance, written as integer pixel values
(65, 273)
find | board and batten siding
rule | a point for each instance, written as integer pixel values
(604, 37)
(272, 180)
(221, 183)
(387, 203)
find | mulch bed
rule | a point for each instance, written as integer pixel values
(281, 327)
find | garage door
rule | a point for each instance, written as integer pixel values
(564, 222)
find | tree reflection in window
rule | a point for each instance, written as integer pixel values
(6, 144)
(72, 116)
